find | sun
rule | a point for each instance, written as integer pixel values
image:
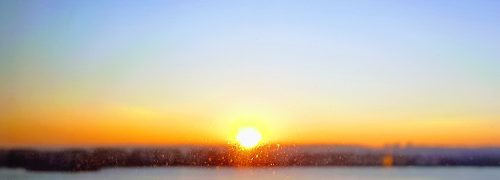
(248, 137)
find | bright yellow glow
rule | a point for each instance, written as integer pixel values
(248, 137)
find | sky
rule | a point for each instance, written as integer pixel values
(118, 72)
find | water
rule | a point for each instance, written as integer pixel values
(340, 173)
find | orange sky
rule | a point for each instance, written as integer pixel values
(109, 126)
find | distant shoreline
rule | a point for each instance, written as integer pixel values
(231, 156)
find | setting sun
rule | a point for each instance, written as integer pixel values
(248, 137)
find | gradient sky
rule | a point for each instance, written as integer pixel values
(78, 73)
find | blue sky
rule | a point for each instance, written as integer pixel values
(390, 61)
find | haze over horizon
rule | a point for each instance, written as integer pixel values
(82, 73)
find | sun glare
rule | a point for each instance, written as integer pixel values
(248, 137)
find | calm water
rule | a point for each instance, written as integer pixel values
(455, 173)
